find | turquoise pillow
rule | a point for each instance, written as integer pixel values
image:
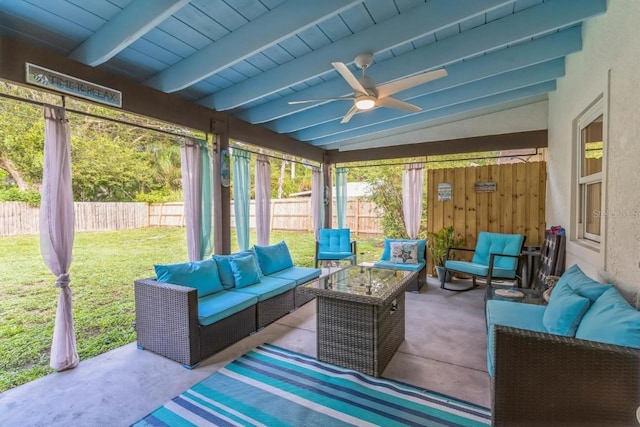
(273, 258)
(611, 320)
(245, 271)
(386, 253)
(565, 310)
(224, 268)
(582, 284)
(202, 275)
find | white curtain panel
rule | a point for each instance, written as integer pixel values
(317, 200)
(263, 199)
(412, 184)
(56, 231)
(191, 163)
(341, 197)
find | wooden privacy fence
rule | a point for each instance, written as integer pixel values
(18, 218)
(516, 206)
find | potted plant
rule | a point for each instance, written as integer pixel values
(438, 243)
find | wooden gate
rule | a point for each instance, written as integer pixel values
(516, 206)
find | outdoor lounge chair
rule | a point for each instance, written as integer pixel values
(335, 244)
(496, 256)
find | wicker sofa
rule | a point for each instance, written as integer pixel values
(392, 258)
(581, 367)
(190, 311)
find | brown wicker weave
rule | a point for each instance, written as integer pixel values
(549, 380)
(167, 323)
(275, 307)
(359, 331)
(301, 297)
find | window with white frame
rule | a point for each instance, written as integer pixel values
(591, 140)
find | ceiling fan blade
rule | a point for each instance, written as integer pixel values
(304, 101)
(349, 77)
(349, 114)
(390, 102)
(402, 84)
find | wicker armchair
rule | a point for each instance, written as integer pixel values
(550, 380)
(167, 323)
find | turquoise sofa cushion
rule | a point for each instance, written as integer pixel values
(404, 267)
(299, 274)
(386, 252)
(268, 287)
(498, 243)
(515, 315)
(215, 307)
(245, 271)
(202, 275)
(581, 284)
(611, 320)
(565, 310)
(479, 269)
(273, 258)
(224, 268)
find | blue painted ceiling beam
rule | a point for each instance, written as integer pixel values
(266, 30)
(521, 26)
(501, 83)
(126, 27)
(526, 92)
(408, 26)
(555, 45)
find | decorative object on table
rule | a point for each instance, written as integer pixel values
(496, 256)
(509, 293)
(273, 386)
(438, 244)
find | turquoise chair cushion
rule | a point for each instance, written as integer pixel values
(268, 287)
(565, 310)
(498, 243)
(404, 267)
(245, 271)
(515, 315)
(224, 268)
(581, 284)
(273, 258)
(334, 240)
(611, 320)
(299, 274)
(215, 307)
(202, 275)
(386, 252)
(334, 255)
(479, 269)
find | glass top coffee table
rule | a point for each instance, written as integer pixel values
(360, 316)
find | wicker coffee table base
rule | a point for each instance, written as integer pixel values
(358, 335)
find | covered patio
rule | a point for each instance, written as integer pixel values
(520, 74)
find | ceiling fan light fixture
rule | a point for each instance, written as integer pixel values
(366, 102)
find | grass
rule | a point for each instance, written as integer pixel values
(102, 273)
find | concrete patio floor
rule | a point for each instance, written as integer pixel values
(444, 351)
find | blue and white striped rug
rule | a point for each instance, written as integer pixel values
(272, 386)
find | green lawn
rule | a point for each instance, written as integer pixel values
(102, 273)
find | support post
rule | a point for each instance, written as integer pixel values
(221, 195)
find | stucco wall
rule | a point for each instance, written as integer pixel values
(609, 64)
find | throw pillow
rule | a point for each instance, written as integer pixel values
(224, 268)
(386, 253)
(611, 320)
(581, 284)
(565, 310)
(273, 258)
(404, 252)
(202, 275)
(245, 271)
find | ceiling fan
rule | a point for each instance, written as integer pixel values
(367, 95)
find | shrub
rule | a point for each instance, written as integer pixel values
(14, 194)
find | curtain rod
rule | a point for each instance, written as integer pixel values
(95, 116)
(513, 156)
(274, 157)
